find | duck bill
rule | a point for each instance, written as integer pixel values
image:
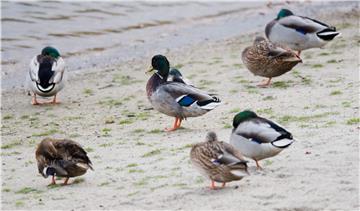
(150, 70)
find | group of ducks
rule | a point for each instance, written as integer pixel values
(170, 93)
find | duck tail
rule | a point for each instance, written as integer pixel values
(210, 104)
(328, 34)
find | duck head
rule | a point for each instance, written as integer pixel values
(50, 51)
(242, 116)
(284, 13)
(161, 65)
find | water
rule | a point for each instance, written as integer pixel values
(99, 34)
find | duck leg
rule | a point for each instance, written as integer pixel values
(176, 125)
(212, 186)
(54, 100)
(223, 184)
(66, 181)
(265, 83)
(298, 53)
(34, 101)
(258, 166)
(53, 180)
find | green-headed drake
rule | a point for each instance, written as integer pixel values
(298, 32)
(268, 60)
(61, 158)
(46, 74)
(258, 138)
(174, 98)
(218, 161)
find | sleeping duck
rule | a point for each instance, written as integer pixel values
(218, 161)
(258, 138)
(268, 60)
(174, 98)
(46, 74)
(298, 32)
(61, 158)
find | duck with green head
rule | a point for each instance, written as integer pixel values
(46, 74)
(258, 138)
(298, 32)
(268, 60)
(174, 98)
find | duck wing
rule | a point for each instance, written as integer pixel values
(302, 25)
(34, 69)
(262, 130)
(58, 68)
(186, 95)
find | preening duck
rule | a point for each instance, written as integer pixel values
(218, 161)
(61, 158)
(46, 74)
(298, 32)
(268, 60)
(174, 98)
(258, 138)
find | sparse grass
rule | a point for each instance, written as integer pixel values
(234, 110)
(106, 145)
(269, 98)
(104, 184)
(110, 102)
(332, 61)
(88, 91)
(132, 165)
(139, 130)
(133, 193)
(281, 84)
(268, 162)
(336, 92)
(19, 203)
(8, 116)
(126, 122)
(346, 104)
(289, 118)
(11, 145)
(124, 79)
(6, 190)
(353, 121)
(110, 120)
(267, 111)
(106, 131)
(323, 54)
(27, 190)
(151, 153)
(317, 66)
(78, 180)
(154, 131)
(89, 149)
(136, 171)
(226, 126)
(236, 65)
(139, 143)
(46, 133)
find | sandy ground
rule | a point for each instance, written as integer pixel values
(139, 166)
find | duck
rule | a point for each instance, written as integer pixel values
(269, 60)
(173, 98)
(61, 158)
(258, 138)
(46, 75)
(176, 75)
(299, 33)
(218, 161)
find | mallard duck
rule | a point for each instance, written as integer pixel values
(218, 161)
(258, 138)
(175, 75)
(173, 98)
(46, 74)
(266, 59)
(61, 158)
(298, 32)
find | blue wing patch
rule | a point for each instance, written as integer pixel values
(256, 141)
(186, 101)
(301, 31)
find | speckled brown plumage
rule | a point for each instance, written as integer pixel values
(266, 59)
(218, 161)
(66, 157)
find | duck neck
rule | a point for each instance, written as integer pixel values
(154, 82)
